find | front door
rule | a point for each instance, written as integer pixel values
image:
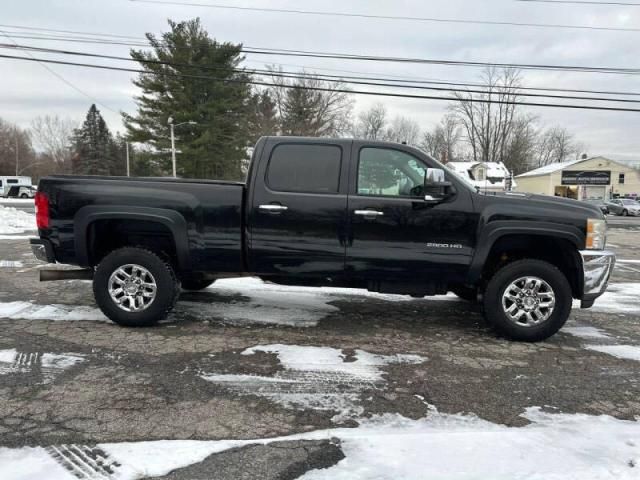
(395, 235)
(298, 210)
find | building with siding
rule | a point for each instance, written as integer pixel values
(584, 179)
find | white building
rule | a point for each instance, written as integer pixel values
(486, 176)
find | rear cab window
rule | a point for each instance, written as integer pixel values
(305, 168)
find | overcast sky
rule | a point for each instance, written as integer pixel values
(28, 89)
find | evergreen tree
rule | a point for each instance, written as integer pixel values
(93, 146)
(263, 116)
(172, 86)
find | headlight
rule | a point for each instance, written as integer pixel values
(596, 234)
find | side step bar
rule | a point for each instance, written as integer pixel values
(51, 275)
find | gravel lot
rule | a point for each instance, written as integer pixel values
(69, 378)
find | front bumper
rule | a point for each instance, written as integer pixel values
(42, 250)
(597, 266)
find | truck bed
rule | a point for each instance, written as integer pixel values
(203, 216)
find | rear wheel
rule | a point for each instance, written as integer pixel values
(528, 300)
(134, 287)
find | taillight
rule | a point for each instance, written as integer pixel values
(42, 210)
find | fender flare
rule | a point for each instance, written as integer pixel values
(171, 219)
(500, 229)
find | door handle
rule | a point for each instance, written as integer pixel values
(271, 208)
(369, 213)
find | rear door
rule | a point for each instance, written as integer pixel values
(297, 208)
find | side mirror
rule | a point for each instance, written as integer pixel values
(436, 188)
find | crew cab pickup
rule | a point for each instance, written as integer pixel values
(325, 212)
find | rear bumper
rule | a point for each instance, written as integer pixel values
(42, 250)
(597, 266)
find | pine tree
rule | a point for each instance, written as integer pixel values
(93, 146)
(215, 146)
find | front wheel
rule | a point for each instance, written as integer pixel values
(625, 213)
(528, 300)
(134, 287)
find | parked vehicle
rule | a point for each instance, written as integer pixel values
(314, 212)
(17, 191)
(624, 207)
(601, 204)
(8, 182)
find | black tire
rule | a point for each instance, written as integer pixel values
(196, 284)
(498, 319)
(625, 213)
(167, 287)
(468, 294)
(24, 195)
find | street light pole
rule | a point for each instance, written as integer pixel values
(173, 151)
(15, 135)
(173, 142)
(128, 171)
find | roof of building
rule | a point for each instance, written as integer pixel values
(555, 167)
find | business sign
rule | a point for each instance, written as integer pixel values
(581, 177)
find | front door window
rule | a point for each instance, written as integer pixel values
(390, 173)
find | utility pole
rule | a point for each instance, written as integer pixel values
(173, 148)
(15, 136)
(128, 171)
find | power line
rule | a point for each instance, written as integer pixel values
(354, 80)
(384, 17)
(64, 80)
(359, 57)
(327, 89)
(141, 44)
(582, 2)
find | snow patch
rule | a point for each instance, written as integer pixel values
(619, 298)
(585, 332)
(31, 311)
(279, 305)
(50, 365)
(455, 447)
(11, 264)
(16, 221)
(626, 352)
(319, 378)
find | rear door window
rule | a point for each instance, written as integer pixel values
(305, 168)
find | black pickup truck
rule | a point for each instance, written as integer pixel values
(324, 212)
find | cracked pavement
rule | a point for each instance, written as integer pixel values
(146, 384)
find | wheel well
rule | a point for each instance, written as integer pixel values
(557, 251)
(105, 236)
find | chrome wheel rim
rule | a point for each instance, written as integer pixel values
(132, 288)
(528, 301)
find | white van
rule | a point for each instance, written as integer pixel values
(7, 182)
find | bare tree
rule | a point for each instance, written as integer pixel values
(16, 151)
(555, 145)
(443, 141)
(309, 106)
(372, 123)
(403, 130)
(52, 137)
(488, 117)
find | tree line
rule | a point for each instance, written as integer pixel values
(198, 84)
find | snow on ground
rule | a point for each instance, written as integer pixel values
(15, 221)
(277, 304)
(619, 298)
(626, 352)
(10, 264)
(319, 378)
(49, 364)
(31, 311)
(585, 332)
(455, 447)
